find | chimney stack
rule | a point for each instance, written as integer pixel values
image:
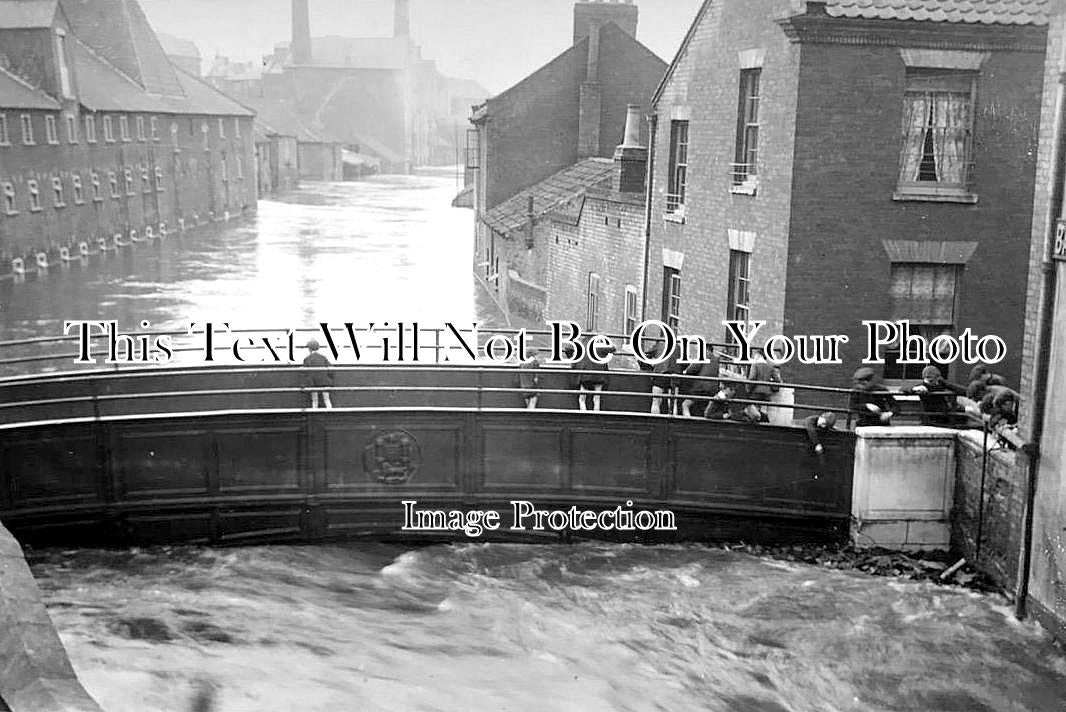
(590, 100)
(600, 12)
(301, 32)
(401, 24)
(631, 158)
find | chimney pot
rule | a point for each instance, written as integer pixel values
(631, 158)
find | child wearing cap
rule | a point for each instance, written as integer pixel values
(318, 380)
(817, 424)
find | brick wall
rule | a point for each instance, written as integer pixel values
(706, 81)
(193, 180)
(999, 519)
(846, 170)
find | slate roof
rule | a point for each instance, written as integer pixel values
(550, 194)
(118, 31)
(274, 116)
(26, 14)
(176, 46)
(17, 94)
(985, 12)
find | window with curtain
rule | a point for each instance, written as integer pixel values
(745, 168)
(678, 177)
(924, 295)
(671, 315)
(738, 308)
(937, 142)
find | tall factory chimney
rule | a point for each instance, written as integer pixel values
(401, 26)
(301, 32)
(589, 13)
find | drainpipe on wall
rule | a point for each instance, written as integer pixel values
(653, 122)
(1043, 345)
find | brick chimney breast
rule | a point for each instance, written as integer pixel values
(623, 13)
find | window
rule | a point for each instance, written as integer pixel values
(90, 129)
(153, 128)
(678, 178)
(35, 195)
(629, 319)
(146, 184)
(593, 306)
(671, 297)
(158, 179)
(745, 168)
(174, 134)
(221, 127)
(140, 128)
(94, 180)
(204, 130)
(50, 132)
(224, 168)
(236, 127)
(128, 175)
(27, 130)
(9, 199)
(240, 168)
(124, 128)
(72, 128)
(473, 149)
(113, 180)
(79, 192)
(937, 144)
(5, 136)
(57, 189)
(109, 130)
(925, 295)
(739, 304)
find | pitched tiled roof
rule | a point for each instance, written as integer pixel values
(17, 94)
(985, 12)
(550, 194)
(26, 14)
(275, 116)
(118, 31)
(176, 46)
(103, 88)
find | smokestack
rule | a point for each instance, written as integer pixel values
(600, 12)
(301, 32)
(631, 158)
(401, 24)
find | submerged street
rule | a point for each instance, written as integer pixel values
(470, 627)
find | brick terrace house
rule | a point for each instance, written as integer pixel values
(572, 109)
(101, 137)
(823, 163)
(573, 244)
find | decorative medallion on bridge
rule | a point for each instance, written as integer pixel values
(393, 458)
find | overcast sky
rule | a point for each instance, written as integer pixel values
(496, 42)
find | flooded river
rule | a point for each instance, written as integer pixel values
(473, 627)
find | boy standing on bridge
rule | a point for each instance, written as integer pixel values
(320, 378)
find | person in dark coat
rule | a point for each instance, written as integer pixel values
(764, 371)
(697, 392)
(975, 389)
(664, 382)
(318, 380)
(871, 402)
(1000, 404)
(719, 408)
(940, 406)
(595, 381)
(815, 425)
(529, 382)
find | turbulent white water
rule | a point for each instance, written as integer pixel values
(512, 627)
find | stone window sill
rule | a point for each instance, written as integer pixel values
(933, 194)
(675, 217)
(750, 187)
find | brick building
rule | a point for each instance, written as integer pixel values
(102, 138)
(572, 244)
(824, 163)
(1043, 383)
(572, 109)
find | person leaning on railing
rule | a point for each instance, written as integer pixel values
(1000, 404)
(698, 392)
(815, 425)
(871, 402)
(530, 382)
(939, 399)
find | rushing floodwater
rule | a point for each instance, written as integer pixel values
(473, 627)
